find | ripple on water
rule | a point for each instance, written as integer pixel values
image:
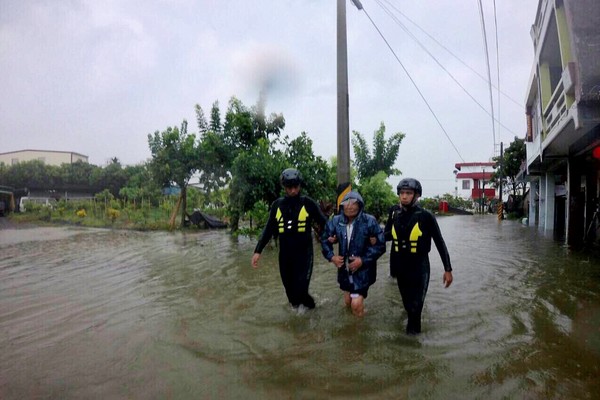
(101, 313)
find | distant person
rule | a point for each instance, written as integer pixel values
(411, 228)
(360, 243)
(291, 218)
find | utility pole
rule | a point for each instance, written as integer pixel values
(343, 124)
(500, 204)
(482, 199)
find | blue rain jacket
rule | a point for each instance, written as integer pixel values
(365, 227)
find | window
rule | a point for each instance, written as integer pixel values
(466, 185)
(14, 161)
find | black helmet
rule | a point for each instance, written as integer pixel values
(411, 184)
(291, 177)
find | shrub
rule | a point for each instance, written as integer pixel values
(113, 214)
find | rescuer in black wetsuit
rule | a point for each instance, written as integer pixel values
(290, 219)
(410, 228)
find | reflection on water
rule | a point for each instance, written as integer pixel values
(116, 314)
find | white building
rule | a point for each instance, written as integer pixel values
(48, 157)
(563, 120)
(472, 180)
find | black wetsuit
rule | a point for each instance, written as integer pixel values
(411, 230)
(291, 220)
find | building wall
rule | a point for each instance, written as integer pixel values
(472, 178)
(47, 157)
(563, 111)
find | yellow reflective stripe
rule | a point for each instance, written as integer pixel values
(279, 218)
(340, 197)
(395, 238)
(302, 219)
(414, 236)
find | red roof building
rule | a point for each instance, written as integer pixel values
(473, 180)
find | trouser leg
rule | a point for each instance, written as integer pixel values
(296, 279)
(413, 290)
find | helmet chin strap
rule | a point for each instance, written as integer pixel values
(414, 200)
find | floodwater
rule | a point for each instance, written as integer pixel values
(102, 314)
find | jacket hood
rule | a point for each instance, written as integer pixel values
(356, 196)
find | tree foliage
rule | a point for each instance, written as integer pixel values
(216, 160)
(255, 177)
(248, 154)
(319, 181)
(78, 177)
(244, 127)
(384, 153)
(111, 177)
(175, 158)
(378, 195)
(509, 166)
(238, 159)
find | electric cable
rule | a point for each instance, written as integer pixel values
(413, 82)
(393, 17)
(487, 59)
(452, 53)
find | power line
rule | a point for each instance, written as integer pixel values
(441, 65)
(453, 55)
(487, 59)
(413, 82)
(497, 62)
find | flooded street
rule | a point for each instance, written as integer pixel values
(90, 313)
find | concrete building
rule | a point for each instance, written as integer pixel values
(48, 157)
(11, 197)
(563, 119)
(473, 180)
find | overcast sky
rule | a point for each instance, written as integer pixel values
(96, 77)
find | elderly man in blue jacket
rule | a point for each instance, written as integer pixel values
(360, 243)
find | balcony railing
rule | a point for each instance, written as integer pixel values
(556, 108)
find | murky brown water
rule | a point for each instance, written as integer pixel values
(112, 314)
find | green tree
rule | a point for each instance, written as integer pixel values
(509, 166)
(378, 195)
(140, 188)
(244, 127)
(33, 174)
(77, 175)
(247, 136)
(319, 179)
(215, 118)
(175, 158)
(201, 120)
(111, 177)
(217, 157)
(255, 177)
(384, 153)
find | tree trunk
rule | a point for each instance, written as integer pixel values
(235, 220)
(174, 213)
(183, 198)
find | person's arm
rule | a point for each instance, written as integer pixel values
(440, 244)
(374, 251)
(318, 217)
(266, 235)
(326, 244)
(387, 231)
